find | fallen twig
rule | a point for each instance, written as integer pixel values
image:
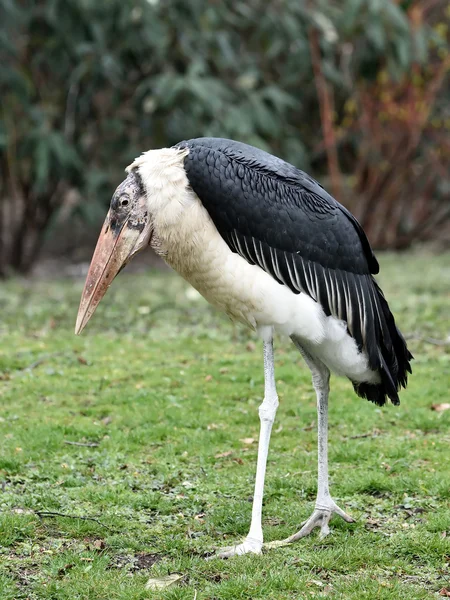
(86, 444)
(50, 514)
(40, 360)
(374, 433)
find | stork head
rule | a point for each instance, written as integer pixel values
(155, 191)
(127, 230)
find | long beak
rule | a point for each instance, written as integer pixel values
(114, 248)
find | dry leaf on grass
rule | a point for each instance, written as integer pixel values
(445, 592)
(223, 454)
(247, 441)
(160, 583)
(316, 582)
(440, 407)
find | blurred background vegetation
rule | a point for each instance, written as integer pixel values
(354, 91)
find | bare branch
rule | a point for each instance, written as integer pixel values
(86, 444)
(51, 514)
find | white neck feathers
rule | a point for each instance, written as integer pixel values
(165, 183)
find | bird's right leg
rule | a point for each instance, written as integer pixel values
(254, 540)
(325, 505)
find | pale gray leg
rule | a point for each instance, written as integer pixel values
(325, 505)
(254, 540)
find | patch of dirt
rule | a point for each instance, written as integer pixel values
(138, 562)
(145, 561)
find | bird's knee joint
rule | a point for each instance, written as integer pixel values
(267, 416)
(268, 409)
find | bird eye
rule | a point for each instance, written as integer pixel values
(124, 202)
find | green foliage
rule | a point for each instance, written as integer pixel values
(86, 86)
(166, 390)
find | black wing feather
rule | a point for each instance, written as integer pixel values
(281, 219)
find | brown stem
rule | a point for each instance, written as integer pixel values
(326, 112)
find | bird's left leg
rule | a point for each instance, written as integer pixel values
(325, 505)
(254, 540)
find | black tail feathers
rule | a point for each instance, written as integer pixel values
(391, 357)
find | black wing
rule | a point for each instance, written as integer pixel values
(281, 219)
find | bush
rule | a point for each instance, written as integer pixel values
(89, 85)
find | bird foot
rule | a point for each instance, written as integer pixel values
(248, 546)
(320, 518)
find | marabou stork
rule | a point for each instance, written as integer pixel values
(264, 242)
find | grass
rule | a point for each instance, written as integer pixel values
(165, 390)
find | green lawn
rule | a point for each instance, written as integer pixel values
(166, 392)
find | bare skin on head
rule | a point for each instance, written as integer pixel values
(127, 230)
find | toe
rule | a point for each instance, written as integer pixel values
(324, 529)
(247, 547)
(315, 520)
(343, 514)
(276, 544)
(312, 522)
